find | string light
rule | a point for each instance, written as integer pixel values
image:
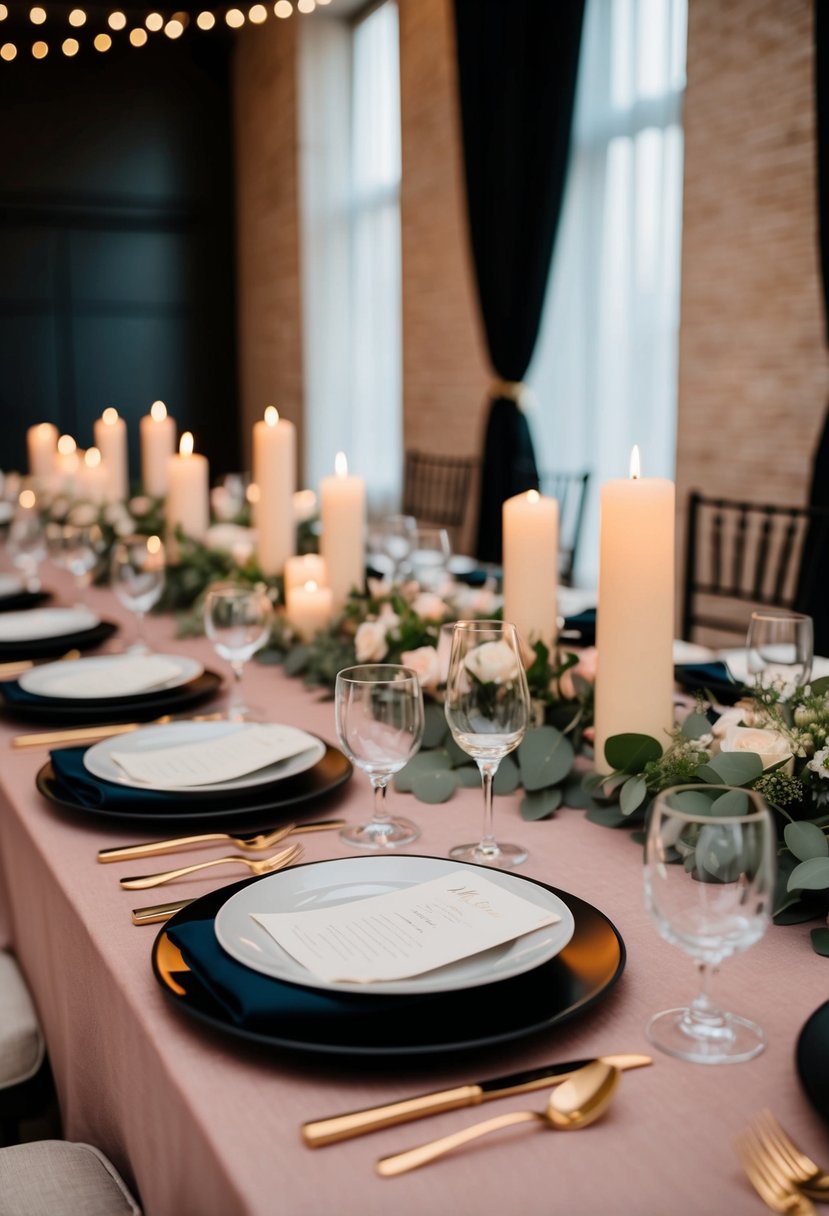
(138, 37)
(205, 21)
(116, 20)
(173, 28)
(258, 14)
(235, 18)
(40, 50)
(8, 51)
(102, 42)
(70, 47)
(283, 8)
(4, 12)
(154, 22)
(37, 15)
(306, 6)
(77, 17)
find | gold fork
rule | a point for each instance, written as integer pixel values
(248, 844)
(266, 865)
(790, 1161)
(776, 1191)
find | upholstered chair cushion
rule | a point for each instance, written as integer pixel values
(56, 1178)
(21, 1041)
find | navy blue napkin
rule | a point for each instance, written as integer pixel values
(583, 623)
(77, 784)
(713, 677)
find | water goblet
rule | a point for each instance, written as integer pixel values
(428, 556)
(137, 570)
(27, 545)
(238, 622)
(77, 549)
(780, 649)
(709, 882)
(396, 537)
(379, 711)
(487, 707)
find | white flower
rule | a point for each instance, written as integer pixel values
(83, 515)
(388, 618)
(425, 663)
(125, 525)
(819, 763)
(370, 642)
(231, 538)
(113, 511)
(430, 606)
(476, 601)
(728, 719)
(379, 587)
(769, 745)
(225, 506)
(492, 663)
(140, 505)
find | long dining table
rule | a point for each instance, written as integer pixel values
(202, 1124)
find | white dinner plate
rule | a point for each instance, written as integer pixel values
(327, 884)
(736, 661)
(10, 585)
(98, 758)
(44, 681)
(39, 623)
(690, 652)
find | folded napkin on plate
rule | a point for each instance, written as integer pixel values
(122, 677)
(41, 623)
(713, 677)
(248, 750)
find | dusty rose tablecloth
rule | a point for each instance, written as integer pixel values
(205, 1127)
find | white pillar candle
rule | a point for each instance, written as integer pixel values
(66, 465)
(342, 544)
(92, 479)
(42, 444)
(307, 568)
(530, 527)
(158, 444)
(635, 619)
(188, 503)
(111, 440)
(309, 608)
(274, 474)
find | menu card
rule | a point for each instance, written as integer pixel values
(122, 677)
(214, 759)
(407, 932)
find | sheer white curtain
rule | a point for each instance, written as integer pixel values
(605, 370)
(350, 202)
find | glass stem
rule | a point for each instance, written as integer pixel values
(378, 784)
(702, 1010)
(488, 769)
(140, 637)
(236, 699)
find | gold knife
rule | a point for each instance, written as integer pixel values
(154, 914)
(18, 668)
(356, 1123)
(173, 845)
(80, 734)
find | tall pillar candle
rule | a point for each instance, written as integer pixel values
(274, 474)
(188, 503)
(530, 527)
(308, 608)
(342, 544)
(67, 462)
(111, 441)
(42, 446)
(307, 568)
(635, 619)
(158, 444)
(92, 478)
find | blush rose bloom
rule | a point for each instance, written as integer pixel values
(492, 663)
(769, 745)
(425, 663)
(586, 668)
(429, 606)
(370, 642)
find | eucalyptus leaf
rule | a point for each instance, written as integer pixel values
(805, 840)
(695, 726)
(578, 796)
(820, 687)
(433, 761)
(732, 802)
(692, 802)
(297, 660)
(545, 758)
(639, 837)
(541, 803)
(435, 726)
(794, 913)
(434, 787)
(469, 776)
(608, 817)
(820, 941)
(811, 875)
(508, 778)
(732, 768)
(632, 794)
(631, 752)
(457, 756)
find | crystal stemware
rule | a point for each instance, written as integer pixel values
(780, 648)
(137, 570)
(428, 557)
(27, 545)
(396, 536)
(238, 622)
(379, 711)
(76, 548)
(709, 882)
(487, 707)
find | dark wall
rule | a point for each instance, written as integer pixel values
(116, 242)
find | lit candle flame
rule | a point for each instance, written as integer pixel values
(66, 445)
(533, 495)
(185, 447)
(311, 585)
(27, 499)
(154, 544)
(272, 415)
(635, 464)
(252, 493)
(109, 416)
(341, 465)
(158, 411)
(92, 458)
(45, 428)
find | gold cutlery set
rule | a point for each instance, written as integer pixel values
(782, 1175)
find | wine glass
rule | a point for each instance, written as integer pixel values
(487, 707)
(379, 710)
(396, 537)
(137, 570)
(238, 622)
(780, 649)
(76, 548)
(27, 545)
(714, 900)
(429, 552)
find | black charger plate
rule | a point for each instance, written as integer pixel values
(578, 977)
(813, 1060)
(19, 601)
(142, 707)
(48, 648)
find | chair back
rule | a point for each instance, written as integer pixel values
(571, 491)
(437, 488)
(739, 553)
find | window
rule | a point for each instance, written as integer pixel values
(350, 184)
(605, 371)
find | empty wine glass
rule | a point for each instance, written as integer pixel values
(238, 622)
(76, 548)
(137, 570)
(27, 542)
(428, 556)
(780, 649)
(396, 536)
(709, 882)
(379, 711)
(487, 707)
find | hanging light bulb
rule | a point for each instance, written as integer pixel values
(70, 47)
(205, 21)
(37, 15)
(154, 22)
(258, 14)
(173, 28)
(283, 8)
(77, 17)
(40, 50)
(116, 20)
(138, 37)
(102, 42)
(235, 18)
(8, 51)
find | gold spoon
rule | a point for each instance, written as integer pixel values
(573, 1104)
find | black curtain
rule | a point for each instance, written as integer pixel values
(517, 67)
(812, 590)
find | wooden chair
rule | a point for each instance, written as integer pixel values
(571, 491)
(747, 553)
(437, 489)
